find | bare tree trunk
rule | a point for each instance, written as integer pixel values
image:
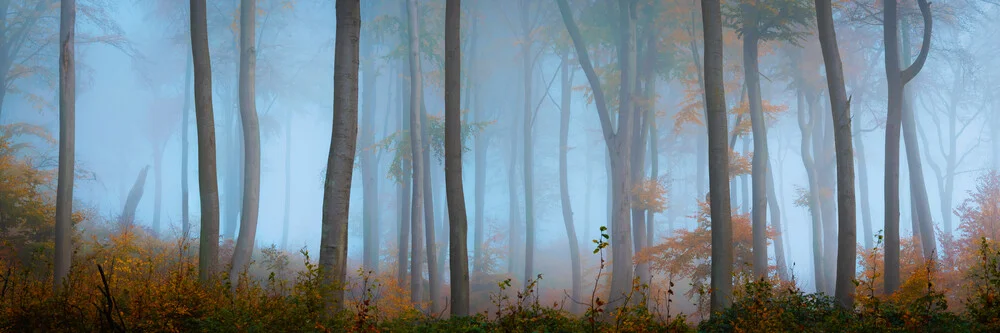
(567, 209)
(806, 116)
(779, 244)
(340, 163)
(528, 150)
(618, 143)
(715, 102)
(896, 80)
(417, 155)
(918, 188)
(458, 223)
(514, 245)
(185, 124)
(132, 202)
(824, 155)
(286, 221)
(67, 146)
(433, 274)
(759, 131)
(866, 214)
(405, 183)
(369, 167)
(841, 109)
(251, 143)
(157, 185)
(208, 186)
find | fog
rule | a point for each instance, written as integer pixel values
(131, 94)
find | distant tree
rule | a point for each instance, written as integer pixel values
(416, 156)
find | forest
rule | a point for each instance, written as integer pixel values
(412, 166)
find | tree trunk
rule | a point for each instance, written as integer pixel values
(718, 178)
(567, 209)
(251, 143)
(759, 131)
(433, 274)
(417, 155)
(481, 145)
(779, 244)
(866, 214)
(286, 221)
(824, 155)
(528, 150)
(896, 80)
(185, 124)
(458, 224)
(340, 163)
(157, 186)
(132, 202)
(841, 110)
(918, 188)
(618, 144)
(514, 209)
(208, 186)
(806, 127)
(369, 167)
(745, 203)
(405, 189)
(67, 146)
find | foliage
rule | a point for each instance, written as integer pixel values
(399, 142)
(650, 194)
(687, 254)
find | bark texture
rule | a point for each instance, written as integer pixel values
(458, 221)
(67, 145)
(340, 163)
(208, 185)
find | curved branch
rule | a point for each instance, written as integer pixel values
(925, 46)
(584, 59)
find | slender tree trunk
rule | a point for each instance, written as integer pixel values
(481, 146)
(208, 186)
(514, 209)
(340, 163)
(567, 209)
(841, 110)
(529, 149)
(779, 244)
(458, 224)
(251, 144)
(654, 159)
(185, 124)
(745, 203)
(824, 155)
(433, 274)
(805, 119)
(157, 186)
(715, 102)
(417, 148)
(759, 131)
(918, 188)
(405, 185)
(286, 221)
(369, 167)
(67, 146)
(134, 195)
(896, 80)
(866, 213)
(618, 144)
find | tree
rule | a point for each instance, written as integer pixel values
(67, 145)
(617, 140)
(208, 186)
(186, 113)
(718, 174)
(918, 188)
(127, 218)
(458, 222)
(417, 156)
(251, 142)
(762, 22)
(340, 164)
(567, 209)
(840, 107)
(896, 80)
(367, 161)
